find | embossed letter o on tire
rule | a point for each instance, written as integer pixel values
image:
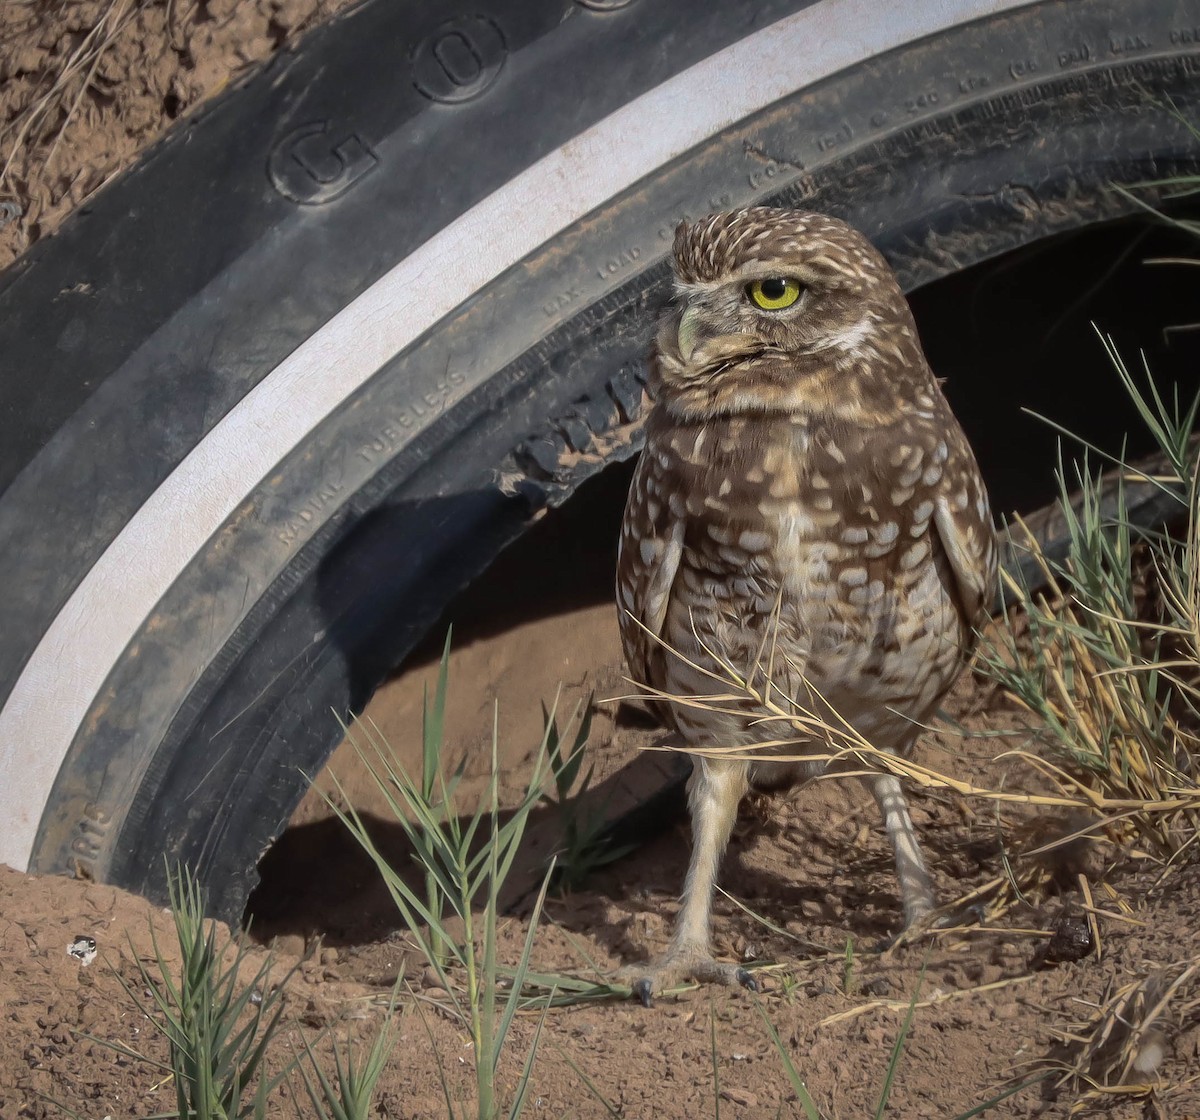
(459, 60)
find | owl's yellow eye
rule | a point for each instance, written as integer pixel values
(775, 293)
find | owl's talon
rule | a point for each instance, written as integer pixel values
(746, 980)
(930, 923)
(675, 969)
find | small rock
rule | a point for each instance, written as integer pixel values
(430, 979)
(83, 949)
(290, 944)
(876, 987)
(1072, 940)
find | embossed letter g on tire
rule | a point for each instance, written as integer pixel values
(314, 164)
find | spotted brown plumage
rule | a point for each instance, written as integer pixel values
(804, 487)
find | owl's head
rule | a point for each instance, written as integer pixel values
(784, 311)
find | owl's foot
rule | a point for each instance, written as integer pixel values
(679, 965)
(929, 922)
(914, 931)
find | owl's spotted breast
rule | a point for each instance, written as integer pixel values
(827, 541)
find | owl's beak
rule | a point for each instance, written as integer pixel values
(703, 348)
(690, 335)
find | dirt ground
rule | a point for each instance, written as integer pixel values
(813, 870)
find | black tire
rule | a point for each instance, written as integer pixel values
(244, 463)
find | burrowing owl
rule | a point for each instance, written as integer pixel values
(804, 485)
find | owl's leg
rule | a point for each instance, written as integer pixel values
(916, 888)
(714, 793)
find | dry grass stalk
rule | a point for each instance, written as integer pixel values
(935, 1000)
(1113, 696)
(1109, 666)
(1103, 696)
(850, 754)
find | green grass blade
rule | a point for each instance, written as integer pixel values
(898, 1048)
(789, 1067)
(322, 1095)
(1012, 1091)
(590, 1086)
(521, 971)
(443, 1080)
(522, 1091)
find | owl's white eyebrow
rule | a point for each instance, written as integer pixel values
(851, 339)
(757, 270)
(761, 270)
(686, 288)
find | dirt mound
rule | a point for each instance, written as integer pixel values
(816, 869)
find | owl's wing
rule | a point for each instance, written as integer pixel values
(964, 524)
(648, 559)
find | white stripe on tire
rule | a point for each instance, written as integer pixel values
(69, 666)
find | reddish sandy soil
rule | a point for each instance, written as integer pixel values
(814, 867)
